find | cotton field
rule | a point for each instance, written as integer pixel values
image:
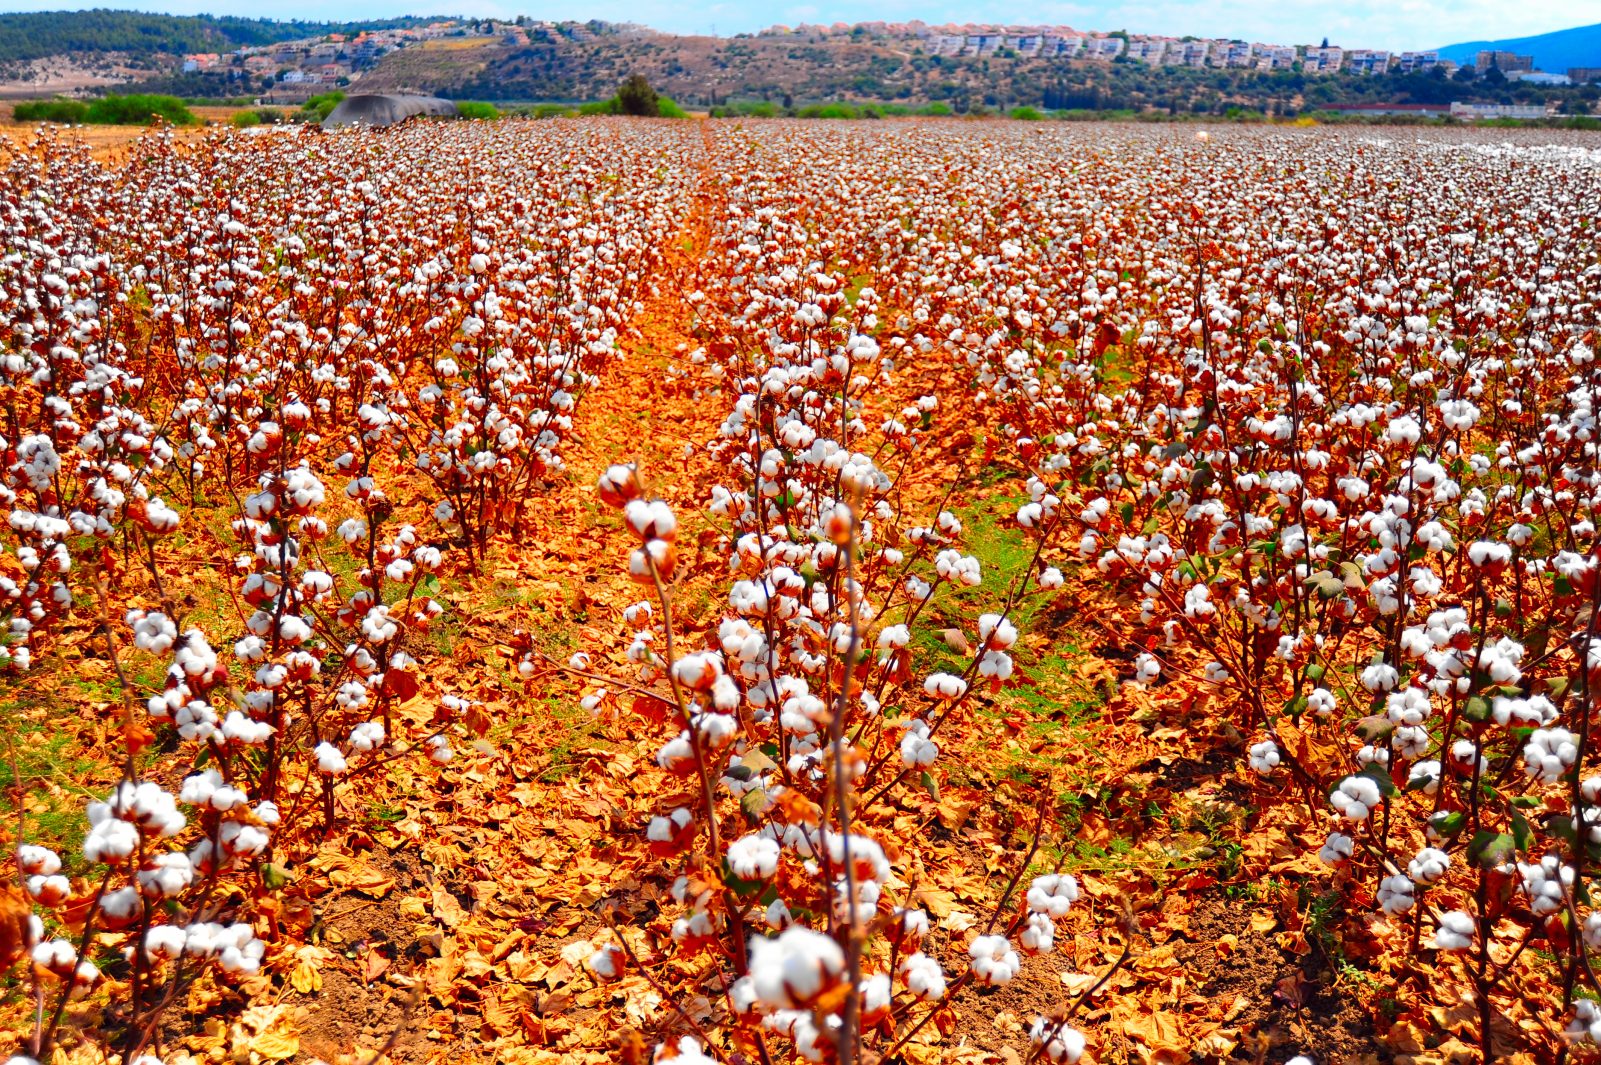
(862, 592)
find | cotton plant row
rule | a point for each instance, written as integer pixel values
(800, 708)
(300, 354)
(1353, 485)
(397, 305)
(1342, 466)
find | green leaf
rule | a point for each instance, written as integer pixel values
(1477, 708)
(275, 876)
(1375, 727)
(1315, 671)
(1380, 776)
(1448, 823)
(1522, 835)
(1489, 849)
(930, 785)
(752, 803)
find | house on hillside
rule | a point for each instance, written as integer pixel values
(1367, 61)
(1410, 62)
(1147, 49)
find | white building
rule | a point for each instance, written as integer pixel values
(1412, 61)
(1323, 60)
(1461, 110)
(1367, 61)
(1147, 49)
(1104, 47)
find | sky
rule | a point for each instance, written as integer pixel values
(1390, 24)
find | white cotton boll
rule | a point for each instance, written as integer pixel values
(945, 686)
(994, 960)
(367, 736)
(1264, 757)
(918, 751)
(51, 890)
(687, 1051)
(121, 907)
(1592, 930)
(329, 761)
(1586, 1024)
(166, 875)
(792, 970)
(245, 731)
(1038, 935)
(33, 859)
(1395, 894)
(1056, 1041)
(1380, 677)
(876, 997)
(894, 637)
(1356, 797)
(753, 857)
(1429, 866)
(1549, 753)
(439, 751)
(1336, 849)
(1424, 777)
(55, 955)
(1455, 931)
(606, 963)
(111, 841)
(1321, 702)
(164, 942)
(924, 977)
(1052, 894)
(1051, 579)
(995, 632)
(1146, 668)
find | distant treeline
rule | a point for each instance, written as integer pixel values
(35, 35)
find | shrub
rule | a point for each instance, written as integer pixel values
(1027, 114)
(66, 111)
(140, 109)
(478, 109)
(245, 119)
(636, 97)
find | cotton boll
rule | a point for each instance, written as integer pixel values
(753, 857)
(795, 968)
(924, 977)
(1336, 849)
(329, 761)
(1052, 894)
(1056, 1041)
(1429, 866)
(1455, 931)
(994, 960)
(1264, 757)
(1395, 894)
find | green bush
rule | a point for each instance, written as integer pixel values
(139, 109)
(1027, 114)
(66, 111)
(319, 107)
(244, 120)
(477, 109)
(668, 108)
(271, 116)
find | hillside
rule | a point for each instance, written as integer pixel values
(42, 34)
(585, 62)
(1557, 51)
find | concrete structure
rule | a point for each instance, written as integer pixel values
(1477, 111)
(382, 109)
(1505, 62)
